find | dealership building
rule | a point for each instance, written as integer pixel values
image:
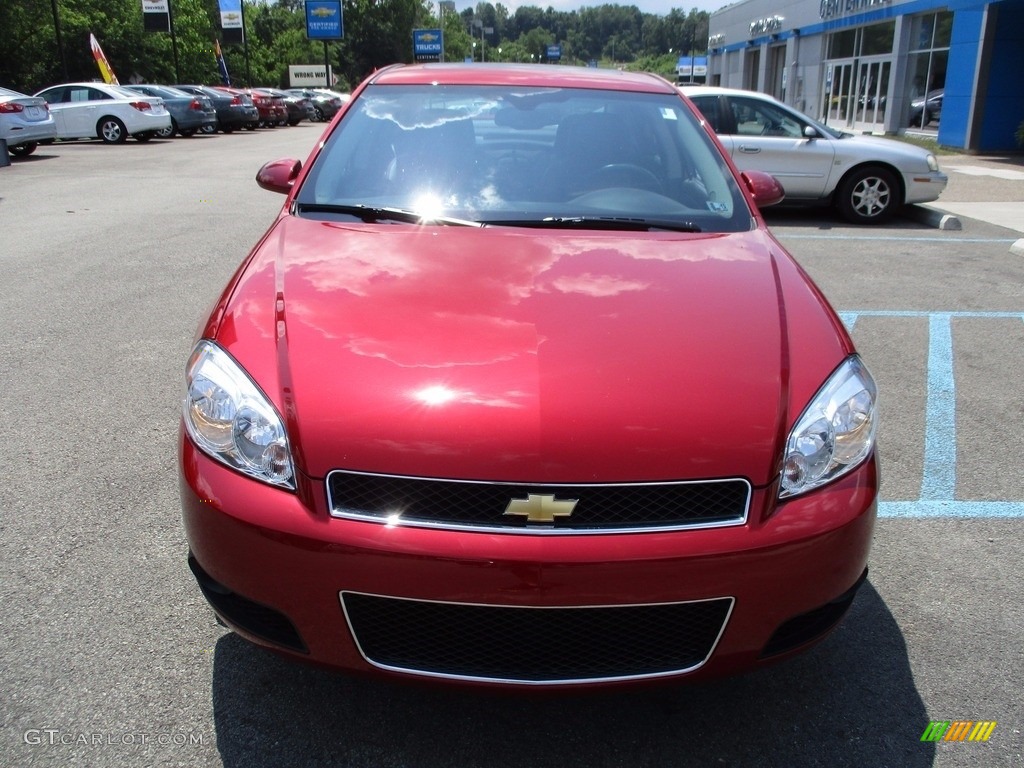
(953, 68)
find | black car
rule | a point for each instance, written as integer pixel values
(325, 103)
(924, 109)
(298, 106)
(233, 111)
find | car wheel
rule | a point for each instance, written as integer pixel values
(869, 196)
(23, 150)
(188, 133)
(142, 138)
(293, 122)
(209, 129)
(228, 129)
(320, 115)
(111, 131)
(168, 132)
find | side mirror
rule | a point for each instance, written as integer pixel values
(810, 132)
(279, 175)
(765, 188)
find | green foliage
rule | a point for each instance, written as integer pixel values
(377, 33)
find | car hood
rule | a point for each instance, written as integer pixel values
(529, 356)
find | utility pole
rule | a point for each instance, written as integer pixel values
(60, 40)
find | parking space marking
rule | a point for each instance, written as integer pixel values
(888, 238)
(939, 482)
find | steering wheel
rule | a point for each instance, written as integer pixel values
(624, 175)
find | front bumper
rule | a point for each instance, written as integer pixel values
(924, 187)
(279, 569)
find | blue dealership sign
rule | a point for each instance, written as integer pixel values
(427, 44)
(323, 20)
(554, 52)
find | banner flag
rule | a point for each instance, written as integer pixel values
(101, 61)
(221, 64)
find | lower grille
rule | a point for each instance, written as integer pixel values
(535, 645)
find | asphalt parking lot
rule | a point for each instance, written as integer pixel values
(111, 254)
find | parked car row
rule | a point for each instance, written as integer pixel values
(112, 113)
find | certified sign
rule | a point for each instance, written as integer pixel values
(323, 20)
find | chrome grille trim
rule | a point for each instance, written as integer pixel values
(338, 510)
(545, 682)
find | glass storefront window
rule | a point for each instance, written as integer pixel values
(943, 29)
(926, 73)
(878, 39)
(842, 45)
(931, 31)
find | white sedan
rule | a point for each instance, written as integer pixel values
(24, 122)
(867, 178)
(107, 112)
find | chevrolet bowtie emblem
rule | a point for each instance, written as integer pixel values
(540, 508)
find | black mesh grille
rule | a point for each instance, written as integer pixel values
(535, 644)
(478, 504)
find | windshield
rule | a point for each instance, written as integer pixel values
(510, 156)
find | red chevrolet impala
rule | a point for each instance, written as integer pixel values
(519, 390)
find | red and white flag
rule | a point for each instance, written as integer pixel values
(101, 61)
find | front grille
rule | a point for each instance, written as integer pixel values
(535, 645)
(482, 505)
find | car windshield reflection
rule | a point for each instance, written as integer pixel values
(497, 156)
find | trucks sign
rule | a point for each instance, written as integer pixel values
(427, 44)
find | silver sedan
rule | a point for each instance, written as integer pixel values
(867, 178)
(24, 122)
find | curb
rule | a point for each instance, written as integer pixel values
(933, 217)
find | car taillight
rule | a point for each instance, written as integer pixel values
(235, 101)
(142, 106)
(9, 107)
(196, 106)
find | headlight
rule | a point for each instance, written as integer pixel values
(229, 418)
(835, 433)
(933, 163)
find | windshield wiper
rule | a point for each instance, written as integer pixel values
(371, 213)
(622, 223)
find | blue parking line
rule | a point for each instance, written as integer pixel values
(884, 238)
(939, 482)
(951, 509)
(938, 486)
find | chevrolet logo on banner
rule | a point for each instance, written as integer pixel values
(540, 508)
